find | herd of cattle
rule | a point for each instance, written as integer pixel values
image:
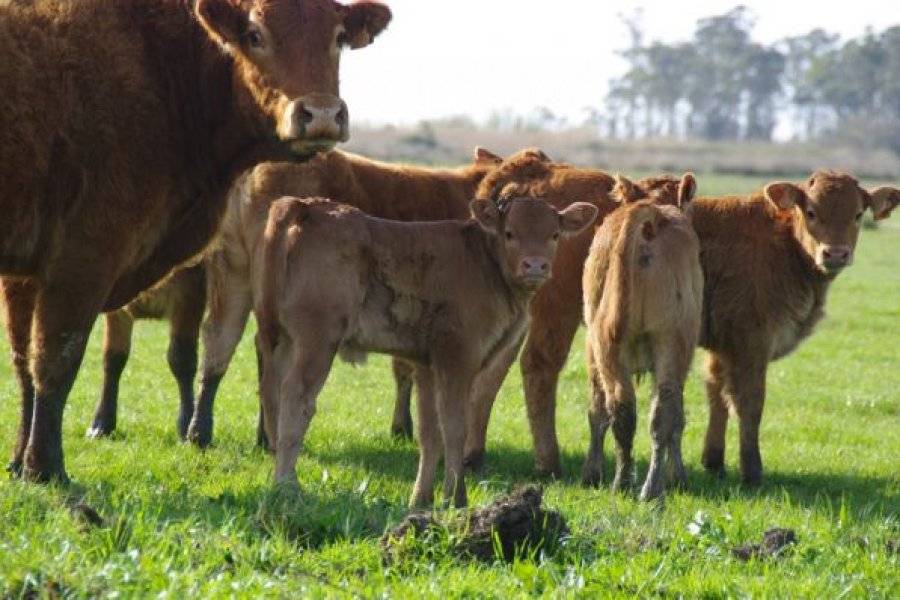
(145, 137)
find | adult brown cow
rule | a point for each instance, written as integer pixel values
(556, 310)
(768, 262)
(122, 126)
(450, 296)
(390, 191)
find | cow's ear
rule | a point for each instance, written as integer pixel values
(225, 20)
(486, 157)
(687, 189)
(487, 214)
(363, 21)
(785, 195)
(883, 201)
(623, 192)
(577, 217)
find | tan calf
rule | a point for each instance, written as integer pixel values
(643, 292)
(449, 296)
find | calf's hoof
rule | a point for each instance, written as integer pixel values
(14, 468)
(752, 480)
(402, 430)
(474, 460)
(591, 477)
(199, 433)
(548, 471)
(714, 460)
(651, 492)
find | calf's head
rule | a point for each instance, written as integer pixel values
(665, 190)
(528, 231)
(827, 213)
(287, 55)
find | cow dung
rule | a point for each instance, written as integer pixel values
(513, 524)
(774, 543)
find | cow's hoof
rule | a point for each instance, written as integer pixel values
(14, 468)
(43, 476)
(714, 460)
(200, 434)
(182, 425)
(591, 477)
(402, 431)
(752, 480)
(99, 430)
(553, 472)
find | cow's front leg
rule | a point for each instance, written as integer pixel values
(18, 301)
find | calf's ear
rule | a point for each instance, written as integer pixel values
(883, 201)
(224, 20)
(487, 214)
(784, 195)
(483, 156)
(577, 217)
(363, 21)
(623, 192)
(687, 189)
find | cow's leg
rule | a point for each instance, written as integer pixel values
(598, 422)
(18, 302)
(747, 389)
(116, 348)
(262, 440)
(430, 439)
(185, 317)
(663, 420)
(714, 444)
(549, 340)
(484, 393)
(65, 310)
(621, 406)
(402, 424)
(229, 309)
(453, 387)
(307, 372)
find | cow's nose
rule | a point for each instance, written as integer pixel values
(535, 266)
(836, 256)
(316, 118)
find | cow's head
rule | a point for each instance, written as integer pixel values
(287, 53)
(665, 190)
(528, 231)
(827, 213)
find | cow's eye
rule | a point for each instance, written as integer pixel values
(509, 235)
(254, 39)
(810, 214)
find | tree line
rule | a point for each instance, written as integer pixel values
(723, 85)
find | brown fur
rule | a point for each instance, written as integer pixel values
(398, 192)
(450, 296)
(124, 127)
(766, 280)
(556, 310)
(643, 292)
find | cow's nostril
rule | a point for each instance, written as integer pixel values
(342, 117)
(305, 115)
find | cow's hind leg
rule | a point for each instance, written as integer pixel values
(402, 424)
(116, 348)
(621, 406)
(19, 299)
(714, 444)
(598, 422)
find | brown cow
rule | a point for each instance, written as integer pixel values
(643, 295)
(768, 261)
(398, 192)
(449, 295)
(122, 126)
(556, 311)
(181, 299)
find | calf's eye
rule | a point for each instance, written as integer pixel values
(810, 214)
(509, 235)
(255, 39)
(555, 236)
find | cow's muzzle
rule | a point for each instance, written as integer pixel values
(834, 258)
(314, 123)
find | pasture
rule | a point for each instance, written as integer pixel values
(180, 522)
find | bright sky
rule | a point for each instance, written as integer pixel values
(449, 57)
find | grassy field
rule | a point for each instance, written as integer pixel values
(182, 523)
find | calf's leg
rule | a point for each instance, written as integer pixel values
(748, 388)
(116, 348)
(714, 444)
(430, 439)
(402, 424)
(598, 423)
(185, 318)
(453, 389)
(621, 406)
(19, 297)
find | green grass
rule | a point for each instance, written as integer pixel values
(181, 522)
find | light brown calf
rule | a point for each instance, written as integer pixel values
(768, 262)
(643, 294)
(450, 296)
(398, 192)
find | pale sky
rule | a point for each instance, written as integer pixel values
(448, 57)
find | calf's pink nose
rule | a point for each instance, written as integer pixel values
(535, 266)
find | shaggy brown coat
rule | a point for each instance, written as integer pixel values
(450, 296)
(643, 294)
(122, 126)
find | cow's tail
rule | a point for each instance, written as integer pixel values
(629, 255)
(282, 228)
